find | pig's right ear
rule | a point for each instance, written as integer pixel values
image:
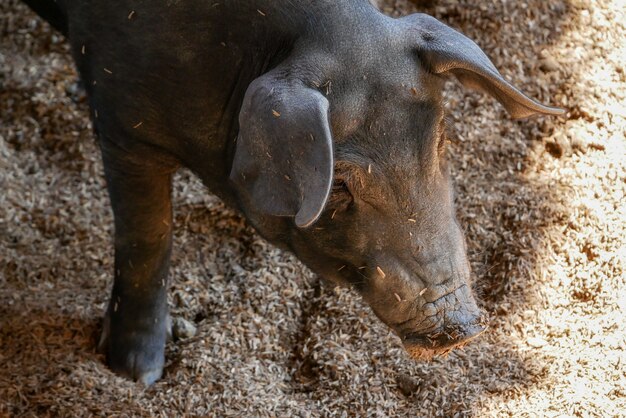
(283, 164)
(443, 50)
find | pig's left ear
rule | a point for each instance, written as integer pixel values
(444, 50)
(283, 164)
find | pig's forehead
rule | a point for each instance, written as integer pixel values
(390, 133)
(385, 110)
(390, 167)
(385, 105)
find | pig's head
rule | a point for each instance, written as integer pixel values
(341, 158)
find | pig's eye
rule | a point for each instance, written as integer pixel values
(340, 198)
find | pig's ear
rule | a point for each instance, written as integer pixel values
(444, 50)
(283, 163)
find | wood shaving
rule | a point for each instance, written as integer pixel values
(542, 203)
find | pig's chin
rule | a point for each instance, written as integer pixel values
(419, 352)
(425, 346)
(440, 344)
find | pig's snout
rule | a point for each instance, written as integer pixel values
(456, 321)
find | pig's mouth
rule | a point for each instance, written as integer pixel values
(425, 346)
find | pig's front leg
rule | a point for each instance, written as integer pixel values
(137, 322)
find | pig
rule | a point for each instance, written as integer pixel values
(321, 121)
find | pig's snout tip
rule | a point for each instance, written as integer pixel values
(443, 340)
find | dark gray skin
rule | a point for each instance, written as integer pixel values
(320, 120)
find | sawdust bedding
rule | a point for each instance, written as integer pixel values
(542, 202)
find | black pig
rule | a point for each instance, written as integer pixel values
(322, 121)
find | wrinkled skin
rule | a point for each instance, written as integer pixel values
(339, 153)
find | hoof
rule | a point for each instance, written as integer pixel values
(136, 354)
(144, 365)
